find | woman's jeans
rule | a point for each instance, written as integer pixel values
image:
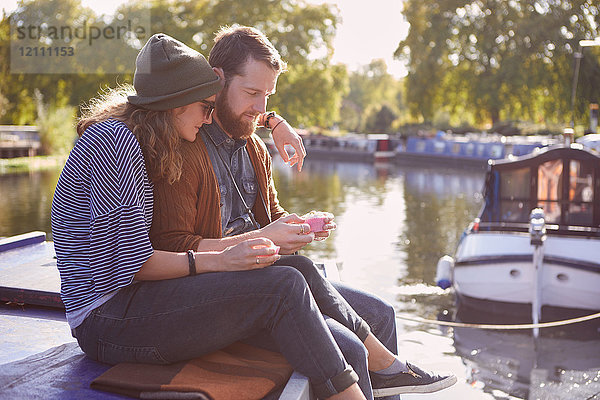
(178, 319)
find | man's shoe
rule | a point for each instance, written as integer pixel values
(414, 381)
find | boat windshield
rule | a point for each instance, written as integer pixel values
(563, 187)
(577, 201)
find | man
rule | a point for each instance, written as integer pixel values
(226, 195)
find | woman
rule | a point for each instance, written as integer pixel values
(125, 301)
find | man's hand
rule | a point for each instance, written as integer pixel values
(289, 232)
(283, 134)
(327, 228)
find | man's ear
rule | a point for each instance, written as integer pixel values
(220, 73)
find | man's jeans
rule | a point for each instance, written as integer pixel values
(378, 314)
(172, 320)
(381, 318)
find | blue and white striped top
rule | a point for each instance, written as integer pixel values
(101, 216)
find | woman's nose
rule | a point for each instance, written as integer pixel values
(207, 119)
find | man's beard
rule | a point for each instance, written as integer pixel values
(233, 124)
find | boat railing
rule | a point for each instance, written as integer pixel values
(552, 229)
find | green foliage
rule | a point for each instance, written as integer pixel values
(504, 59)
(441, 120)
(30, 164)
(470, 62)
(58, 89)
(56, 124)
(381, 121)
(309, 94)
(371, 89)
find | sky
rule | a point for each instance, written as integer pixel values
(370, 29)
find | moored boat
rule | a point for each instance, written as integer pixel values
(494, 265)
(352, 147)
(467, 150)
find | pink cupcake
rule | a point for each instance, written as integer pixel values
(317, 220)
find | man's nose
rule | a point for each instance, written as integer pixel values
(260, 105)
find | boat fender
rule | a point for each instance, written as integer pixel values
(443, 276)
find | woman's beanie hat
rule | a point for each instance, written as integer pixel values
(169, 74)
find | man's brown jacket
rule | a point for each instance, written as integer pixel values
(188, 210)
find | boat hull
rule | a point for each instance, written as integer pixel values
(339, 155)
(499, 267)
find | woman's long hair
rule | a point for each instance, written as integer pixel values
(154, 130)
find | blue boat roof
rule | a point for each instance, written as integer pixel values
(468, 148)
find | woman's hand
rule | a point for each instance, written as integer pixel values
(247, 255)
(250, 254)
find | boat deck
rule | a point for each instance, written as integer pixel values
(39, 357)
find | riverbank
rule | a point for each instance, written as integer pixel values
(28, 164)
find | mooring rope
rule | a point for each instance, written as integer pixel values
(501, 327)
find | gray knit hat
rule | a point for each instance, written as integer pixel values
(169, 74)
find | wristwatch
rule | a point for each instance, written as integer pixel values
(270, 114)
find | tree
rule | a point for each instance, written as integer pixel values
(370, 88)
(310, 92)
(382, 120)
(505, 59)
(66, 80)
(302, 32)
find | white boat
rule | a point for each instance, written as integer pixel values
(494, 261)
(591, 140)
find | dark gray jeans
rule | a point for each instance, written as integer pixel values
(178, 319)
(378, 314)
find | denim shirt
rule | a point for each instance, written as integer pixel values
(234, 216)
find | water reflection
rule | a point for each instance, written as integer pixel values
(25, 201)
(563, 363)
(393, 222)
(440, 203)
(393, 225)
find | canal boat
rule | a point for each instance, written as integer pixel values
(39, 358)
(472, 150)
(19, 141)
(591, 140)
(351, 147)
(493, 267)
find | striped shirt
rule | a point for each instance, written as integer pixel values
(101, 217)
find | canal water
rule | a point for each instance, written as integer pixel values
(394, 223)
